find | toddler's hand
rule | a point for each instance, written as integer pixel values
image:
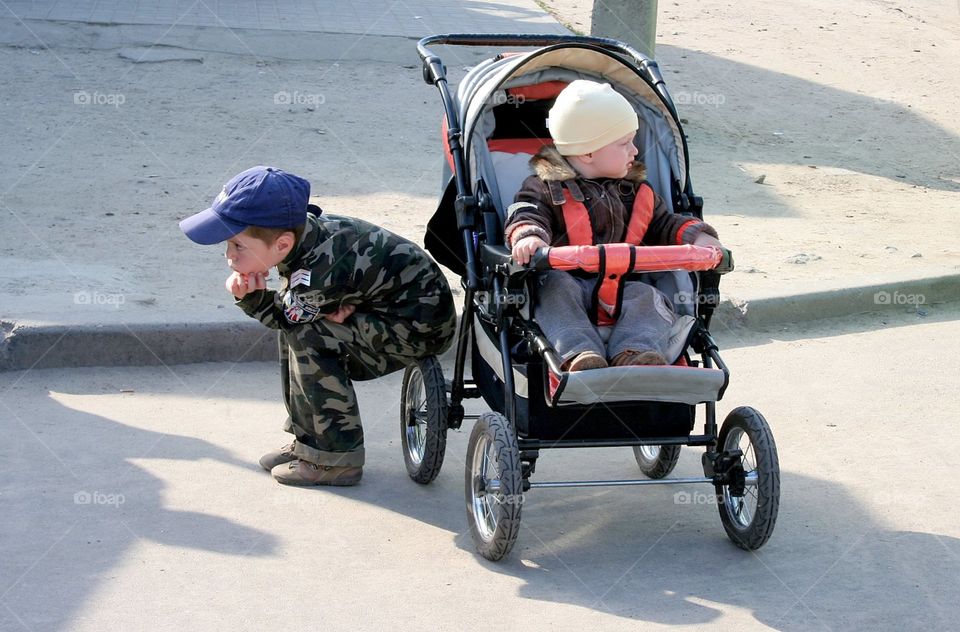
(524, 249)
(704, 239)
(242, 284)
(341, 314)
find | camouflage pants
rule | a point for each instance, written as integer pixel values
(319, 361)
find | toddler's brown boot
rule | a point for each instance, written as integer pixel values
(586, 360)
(637, 358)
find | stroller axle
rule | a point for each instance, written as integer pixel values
(695, 440)
(749, 480)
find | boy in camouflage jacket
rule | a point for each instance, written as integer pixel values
(355, 302)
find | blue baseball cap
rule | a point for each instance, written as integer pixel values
(261, 196)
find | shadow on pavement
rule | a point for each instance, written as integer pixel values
(805, 123)
(81, 505)
(640, 555)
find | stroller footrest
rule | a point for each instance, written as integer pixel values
(684, 385)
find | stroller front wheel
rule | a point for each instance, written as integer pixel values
(423, 419)
(494, 486)
(749, 518)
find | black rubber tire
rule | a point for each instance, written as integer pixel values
(495, 435)
(423, 420)
(753, 533)
(662, 465)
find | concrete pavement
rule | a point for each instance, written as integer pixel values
(132, 500)
(395, 18)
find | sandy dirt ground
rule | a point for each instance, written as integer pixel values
(98, 212)
(850, 115)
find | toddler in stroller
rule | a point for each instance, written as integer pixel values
(586, 189)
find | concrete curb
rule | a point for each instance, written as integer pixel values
(167, 42)
(147, 344)
(765, 311)
(26, 346)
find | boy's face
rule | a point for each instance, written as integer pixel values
(249, 255)
(613, 160)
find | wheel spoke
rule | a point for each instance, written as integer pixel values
(484, 511)
(744, 514)
(750, 456)
(740, 508)
(417, 414)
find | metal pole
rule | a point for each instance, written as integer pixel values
(630, 21)
(751, 479)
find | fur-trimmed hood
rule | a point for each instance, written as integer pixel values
(538, 208)
(550, 165)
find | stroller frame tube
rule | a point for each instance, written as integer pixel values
(649, 66)
(434, 73)
(748, 481)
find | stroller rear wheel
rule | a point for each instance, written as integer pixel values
(656, 461)
(423, 419)
(494, 486)
(749, 519)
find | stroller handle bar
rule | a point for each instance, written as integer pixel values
(520, 40)
(627, 258)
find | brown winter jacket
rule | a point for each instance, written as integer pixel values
(609, 201)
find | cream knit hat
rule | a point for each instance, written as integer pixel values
(588, 115)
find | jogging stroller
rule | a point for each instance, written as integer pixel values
(491, 127)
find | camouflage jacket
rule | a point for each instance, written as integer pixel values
(609, 202)
(345, 261)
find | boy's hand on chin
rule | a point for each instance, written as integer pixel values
(242, 284)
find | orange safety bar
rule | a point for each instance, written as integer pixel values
(645, 258)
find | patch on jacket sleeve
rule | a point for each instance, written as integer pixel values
(300, 277)
(298, 310)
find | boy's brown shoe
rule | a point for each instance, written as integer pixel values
(274, 458)
(637, 358)
(303, 473)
